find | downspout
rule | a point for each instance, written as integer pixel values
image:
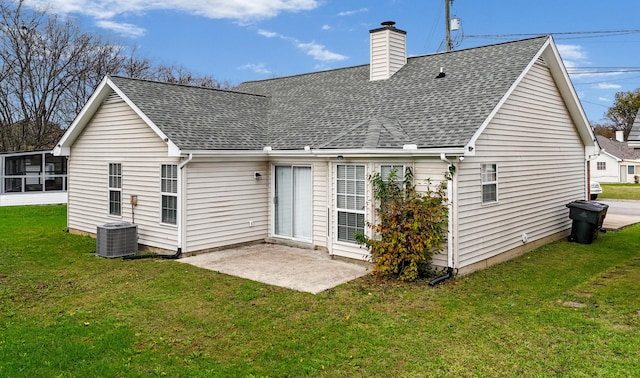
(178, 221)
(179, 216)
(588, 170)
(449, 273)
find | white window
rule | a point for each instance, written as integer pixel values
(385, 171)
(350, 201)
(115, 189)
(489, 183)
(169, 193)
(602, 165)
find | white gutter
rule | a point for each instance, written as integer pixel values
(443, 157)
(179, 217)
(352, 153)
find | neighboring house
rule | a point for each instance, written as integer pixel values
(288, 159)
(617, 162)
(32, 178)
(634, 135)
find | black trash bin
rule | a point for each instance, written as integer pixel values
(587, 217)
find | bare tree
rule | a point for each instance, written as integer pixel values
(49, 68)
(605, 130)
(180, 75)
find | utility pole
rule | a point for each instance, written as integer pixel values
(447, 23)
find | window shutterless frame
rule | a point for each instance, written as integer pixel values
(386, 169)
(115, 189)
(169, 194)
(350, 201)
(489, 179)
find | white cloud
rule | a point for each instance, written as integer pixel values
(257, 68)
(128, 30)
(352, 12)
(573, 52)
(573, 55)
(319, 52)
(326, 27)
(608, 86)
(604, 99)
(268, 34)
(241, 11)
(315, 50)
(227, 9)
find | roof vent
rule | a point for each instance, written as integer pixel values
(388, 51)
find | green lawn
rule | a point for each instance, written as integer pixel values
(621, 191)
(563, 310)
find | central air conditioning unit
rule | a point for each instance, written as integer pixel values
(117, 239)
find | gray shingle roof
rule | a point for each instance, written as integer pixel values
(342, 108)
(197, 118)
(313, 109)
(620, 150)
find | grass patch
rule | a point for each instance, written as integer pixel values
(621, 191)
(563, 310)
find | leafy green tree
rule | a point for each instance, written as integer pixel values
(624, 110)
(411, 228)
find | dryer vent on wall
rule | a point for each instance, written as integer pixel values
(117, 239)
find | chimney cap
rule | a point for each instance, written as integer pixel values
(388, 25)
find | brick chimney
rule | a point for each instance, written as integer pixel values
(388, 51)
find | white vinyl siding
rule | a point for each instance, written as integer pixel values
(117, 133)
(225, 204)
(541, 164)
(115, 189)
(350, 201)
(169, 193)
(320, 200)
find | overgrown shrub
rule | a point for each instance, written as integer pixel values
(410, 227)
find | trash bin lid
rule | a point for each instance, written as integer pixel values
(588, 205)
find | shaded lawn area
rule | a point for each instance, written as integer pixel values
(563, 310)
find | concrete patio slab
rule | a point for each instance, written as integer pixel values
(299, 269)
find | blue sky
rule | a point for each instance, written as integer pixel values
(240, 40)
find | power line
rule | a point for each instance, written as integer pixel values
(602, 32)
(600, 70)
(595, 103)
(608, 80)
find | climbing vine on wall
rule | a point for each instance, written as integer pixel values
(410, 226)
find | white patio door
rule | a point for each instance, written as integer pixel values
(292, 209)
